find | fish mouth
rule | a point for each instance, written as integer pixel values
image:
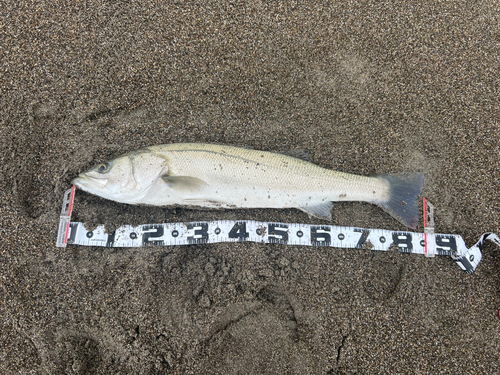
(88, 183)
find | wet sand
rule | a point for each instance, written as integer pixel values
(363, 87)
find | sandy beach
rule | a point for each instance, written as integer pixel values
(362, 87)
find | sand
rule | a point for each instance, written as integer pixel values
(363, 87)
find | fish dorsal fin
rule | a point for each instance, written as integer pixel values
(298, 153)
(321, 210)
(295, 153)
(184, 183)
(239, 146)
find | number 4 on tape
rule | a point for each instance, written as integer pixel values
(428, 243)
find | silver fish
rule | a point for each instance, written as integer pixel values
(220, 176)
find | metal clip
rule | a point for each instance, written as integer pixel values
(65, 218)
(429, 235)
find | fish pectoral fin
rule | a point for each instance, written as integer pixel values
(321, 210)
(184, 183)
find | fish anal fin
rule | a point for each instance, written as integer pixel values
(321, 210)
(184, 183)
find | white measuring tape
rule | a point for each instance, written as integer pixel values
(428, 243)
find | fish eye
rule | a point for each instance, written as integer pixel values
(103, 168)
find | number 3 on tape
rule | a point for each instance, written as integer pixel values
(428, 243)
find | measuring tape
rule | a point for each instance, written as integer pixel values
(428, 243)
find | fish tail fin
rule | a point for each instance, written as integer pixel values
(404, 188)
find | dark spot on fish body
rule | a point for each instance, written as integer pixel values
(342, 196)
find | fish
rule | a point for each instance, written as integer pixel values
(224, 176)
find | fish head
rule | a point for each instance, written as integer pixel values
(125, 179)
